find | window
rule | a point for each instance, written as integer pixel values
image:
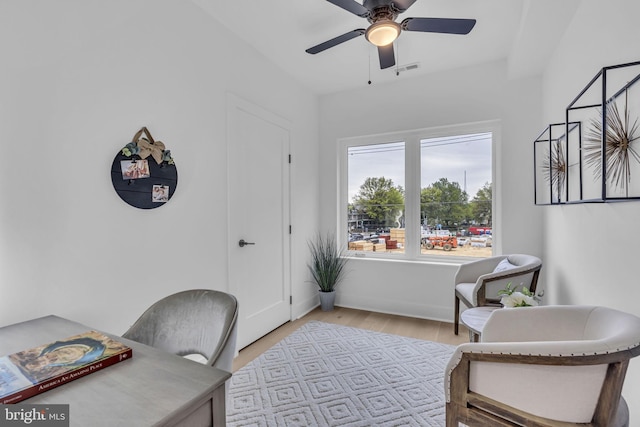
(419, 194)
(376, 196)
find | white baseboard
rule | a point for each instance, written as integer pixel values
(396, 307)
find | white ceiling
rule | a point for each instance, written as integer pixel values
(524, 32)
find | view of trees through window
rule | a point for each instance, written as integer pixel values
(455, 196)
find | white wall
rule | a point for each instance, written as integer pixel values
(74, 88)
(592, 249)
(467, 95)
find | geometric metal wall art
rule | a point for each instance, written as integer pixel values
(594, 156)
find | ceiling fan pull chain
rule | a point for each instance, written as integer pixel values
(397, 57)
(369, 63)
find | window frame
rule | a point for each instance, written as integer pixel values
(412, 187)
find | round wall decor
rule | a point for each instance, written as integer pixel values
(143, 173)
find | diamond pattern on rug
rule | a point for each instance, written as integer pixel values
(331, 375)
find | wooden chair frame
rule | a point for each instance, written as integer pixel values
(476, 410)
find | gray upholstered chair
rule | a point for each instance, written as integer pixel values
(544, 366)
(477, 283)
(194, 322)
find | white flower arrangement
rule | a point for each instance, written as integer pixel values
(512, 298)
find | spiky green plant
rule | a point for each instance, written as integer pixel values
(327, 262)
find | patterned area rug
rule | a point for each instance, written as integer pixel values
(330, 375)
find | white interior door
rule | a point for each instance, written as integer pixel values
(258, 188)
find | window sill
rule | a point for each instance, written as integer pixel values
(433, 260)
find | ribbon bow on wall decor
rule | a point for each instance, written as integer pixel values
(145, 147)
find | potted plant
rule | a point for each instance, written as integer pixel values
(327, 267)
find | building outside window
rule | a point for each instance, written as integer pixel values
(419, 194)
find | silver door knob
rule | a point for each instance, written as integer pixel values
(242, 243)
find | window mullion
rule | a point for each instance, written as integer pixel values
(412, 197)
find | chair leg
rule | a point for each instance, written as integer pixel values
(456, 315)
(451, 415)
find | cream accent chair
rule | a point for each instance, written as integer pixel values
(477, 284)
(544, 366)
(200, 324)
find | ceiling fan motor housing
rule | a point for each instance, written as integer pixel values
(383, 29)
(382, 13)
(375, 4)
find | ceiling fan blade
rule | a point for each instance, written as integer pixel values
(402, 5)
(351, 6)
(387, 57)
(439, 25)
(335, 41)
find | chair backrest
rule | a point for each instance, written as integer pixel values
(199, 321)
(564, 363)
(574, 325)
(524, 274)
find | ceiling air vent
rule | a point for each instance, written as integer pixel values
(406, 67)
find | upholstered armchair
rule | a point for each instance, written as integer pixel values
(544, 366)
(200, 324)
(477, 283)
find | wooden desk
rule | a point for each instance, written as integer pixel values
(153, 388)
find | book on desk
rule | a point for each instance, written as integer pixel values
(39, 369)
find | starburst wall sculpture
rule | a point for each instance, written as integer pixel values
(619, 145)
(554, 166)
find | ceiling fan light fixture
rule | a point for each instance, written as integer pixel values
(383, 32)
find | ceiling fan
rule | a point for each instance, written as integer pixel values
(384, 30)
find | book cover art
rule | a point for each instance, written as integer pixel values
(52, 364)
(11, 378)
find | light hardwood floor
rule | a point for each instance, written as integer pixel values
(388, 323)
